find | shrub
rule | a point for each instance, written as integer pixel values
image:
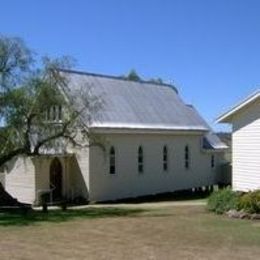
(223, 200)
(250, 202)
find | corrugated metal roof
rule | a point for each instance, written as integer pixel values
(211, 140)
(137, 104)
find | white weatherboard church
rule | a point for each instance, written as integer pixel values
(245, 119)
(154, 143)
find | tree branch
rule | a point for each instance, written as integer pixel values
(6, 157)
(51, 137)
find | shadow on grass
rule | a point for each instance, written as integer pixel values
(183, 195)
(56, 216)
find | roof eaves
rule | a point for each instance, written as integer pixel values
(225, 117)
(149, 127)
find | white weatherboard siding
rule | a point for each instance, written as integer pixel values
(42, 181)
(2, 178)
(78, 184)
(27, 178)
(127, 182)
(246, 148)
(20, 179)
(74, 174)
(42, 175)
(132, 113)
(86, 173)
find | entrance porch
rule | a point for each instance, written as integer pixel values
(59, 178)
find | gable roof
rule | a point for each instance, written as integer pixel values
(138, 105)
(227, 116)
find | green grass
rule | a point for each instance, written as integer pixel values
(33, 217)
(241, 231)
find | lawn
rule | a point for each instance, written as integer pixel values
(167, 232)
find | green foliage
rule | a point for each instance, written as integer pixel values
(223, 200)
(250, 202)
(132, 75)
(29, 95)
(23, 108)
(15, 61)
(156, 80)
(57, 216)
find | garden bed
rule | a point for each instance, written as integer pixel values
(235, 204)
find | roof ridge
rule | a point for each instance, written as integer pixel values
(116, 77)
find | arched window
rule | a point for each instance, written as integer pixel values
(48, 114)
(54, 113)
(60, 113)
(165, 158)
(187, 157)
(212, 161)
(140, 160)
(112, 161)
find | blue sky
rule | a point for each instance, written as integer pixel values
(209, 49)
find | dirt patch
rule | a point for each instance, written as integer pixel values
(179, 232)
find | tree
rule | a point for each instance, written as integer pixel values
(156, 80)
(36, 112)
(133, 76)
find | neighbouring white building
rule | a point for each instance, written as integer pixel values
(245, 120)
(154, 143)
